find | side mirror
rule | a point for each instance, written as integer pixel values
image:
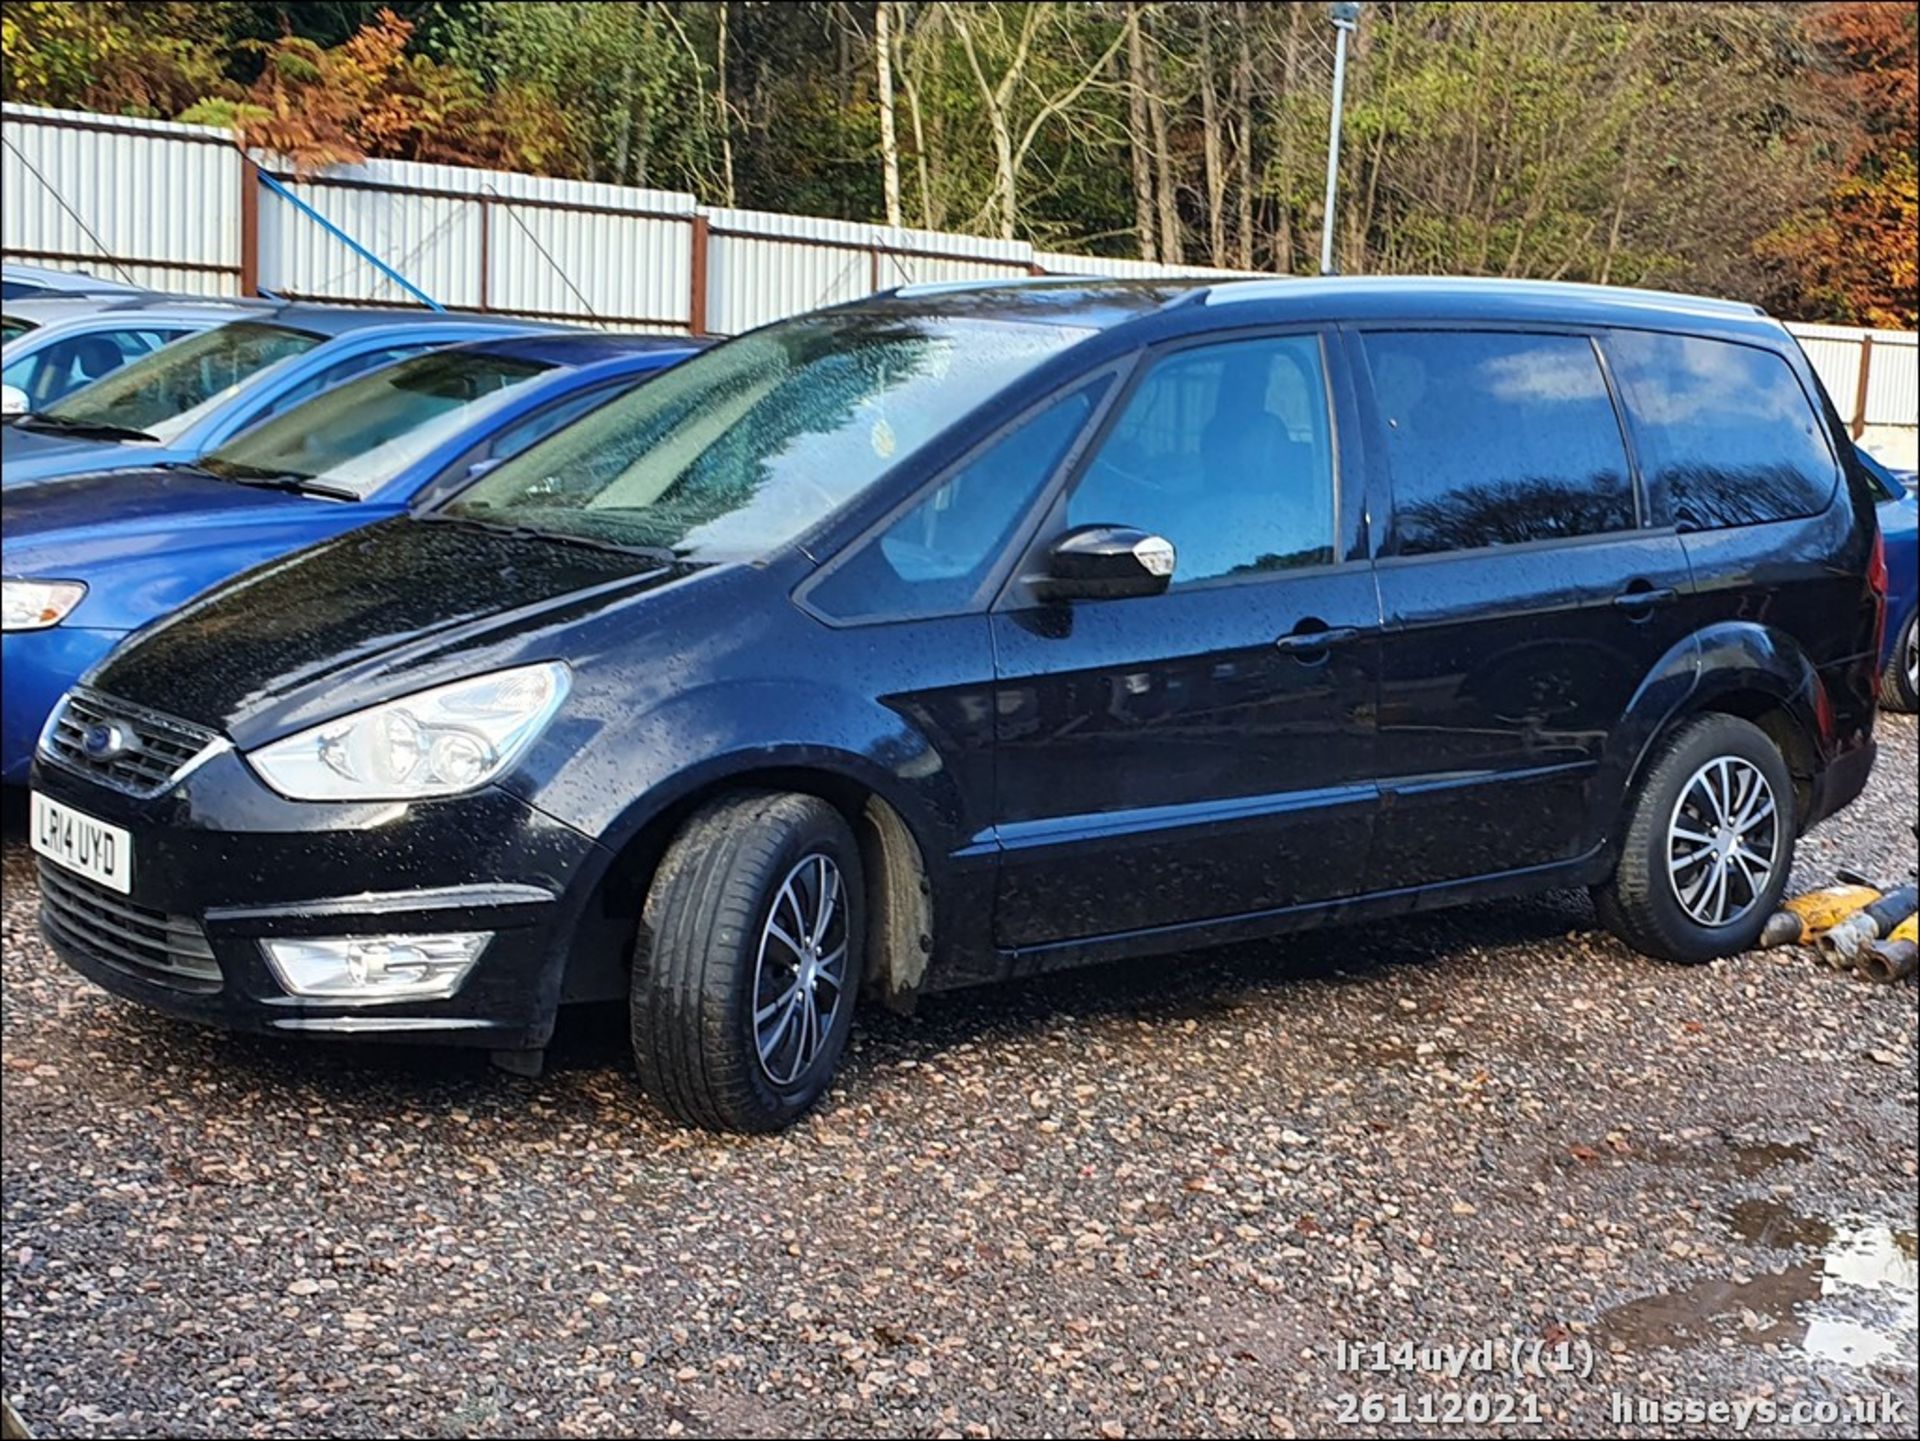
(1106, 562)
(482, 466)
(13, 400)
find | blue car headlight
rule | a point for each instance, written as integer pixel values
(38, 604)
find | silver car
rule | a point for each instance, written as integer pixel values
(55, 346)
(20, 282)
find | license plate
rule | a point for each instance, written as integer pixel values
(81, 844)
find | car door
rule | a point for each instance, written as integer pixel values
(1523, 597)
(1206, 752)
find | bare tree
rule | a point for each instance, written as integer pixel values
(883, 78)
(1138, 143)
(1211, 154)
(1243, 133)
(999, 96)
(916, 36)
(1283, 238)
(722, 111)
(1166, 192)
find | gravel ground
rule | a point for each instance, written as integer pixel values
(1140, 1200)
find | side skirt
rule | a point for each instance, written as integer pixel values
(1227, 930)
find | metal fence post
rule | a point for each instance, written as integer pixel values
(697, 282)
(1860, 391)
(486, 253)
(249, 225)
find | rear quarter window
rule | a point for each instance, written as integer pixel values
(1726, 433)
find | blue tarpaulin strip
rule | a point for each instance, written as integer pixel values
(347, 240)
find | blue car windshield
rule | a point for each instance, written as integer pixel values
(738, 450)
(360, 435)
(162, 393)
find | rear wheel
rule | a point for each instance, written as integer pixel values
(1900, 681)
(1708, 844)
(749, 961)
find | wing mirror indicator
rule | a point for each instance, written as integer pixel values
(1106, 562)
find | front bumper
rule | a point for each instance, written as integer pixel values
(223, 853)
(39, 666)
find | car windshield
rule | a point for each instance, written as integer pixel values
(12, 327)
(360, 435)
(164, 392)
(736, 451)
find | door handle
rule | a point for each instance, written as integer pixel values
(1646, 599)
(1310, 644)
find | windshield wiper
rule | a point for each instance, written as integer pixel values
(663, 554)
(275, 480)
(98, 429)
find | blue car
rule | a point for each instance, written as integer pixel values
(185, 399)
(91, 558)
(1900, 530)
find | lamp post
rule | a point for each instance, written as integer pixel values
(1345, 17)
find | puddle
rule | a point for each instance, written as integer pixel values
(1390, 1052)
(1750, 1158)
(1745, 1159)
(1778, 1227)
(1852, 1301)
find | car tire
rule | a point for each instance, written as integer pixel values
(1662, 898)
(1898, 684)
(743, 873)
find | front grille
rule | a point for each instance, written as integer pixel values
(156, 746)
(106, 927)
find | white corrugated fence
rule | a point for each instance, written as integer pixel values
(179, 207)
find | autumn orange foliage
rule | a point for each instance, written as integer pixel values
(1856, 258)
(369, 97)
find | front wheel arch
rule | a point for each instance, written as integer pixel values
(899, 885)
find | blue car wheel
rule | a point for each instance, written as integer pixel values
(1900, 681)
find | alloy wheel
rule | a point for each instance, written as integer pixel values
(1723, 841)
(799, 976)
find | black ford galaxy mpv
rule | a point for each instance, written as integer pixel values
(970, 632)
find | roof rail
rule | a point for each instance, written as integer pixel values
(1230, 292)
(955, 287)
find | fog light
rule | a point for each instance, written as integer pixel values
(375, 968)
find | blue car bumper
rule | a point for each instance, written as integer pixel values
(38, 666)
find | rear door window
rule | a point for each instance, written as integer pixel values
(1726, 434)
(1497, 438)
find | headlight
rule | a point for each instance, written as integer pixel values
(37, 604)
(437, 743)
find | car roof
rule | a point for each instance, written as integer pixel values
(46, 309)
(71, 282)
(584, 347)
(1104, 304)
(79, 311)
(336, 320)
